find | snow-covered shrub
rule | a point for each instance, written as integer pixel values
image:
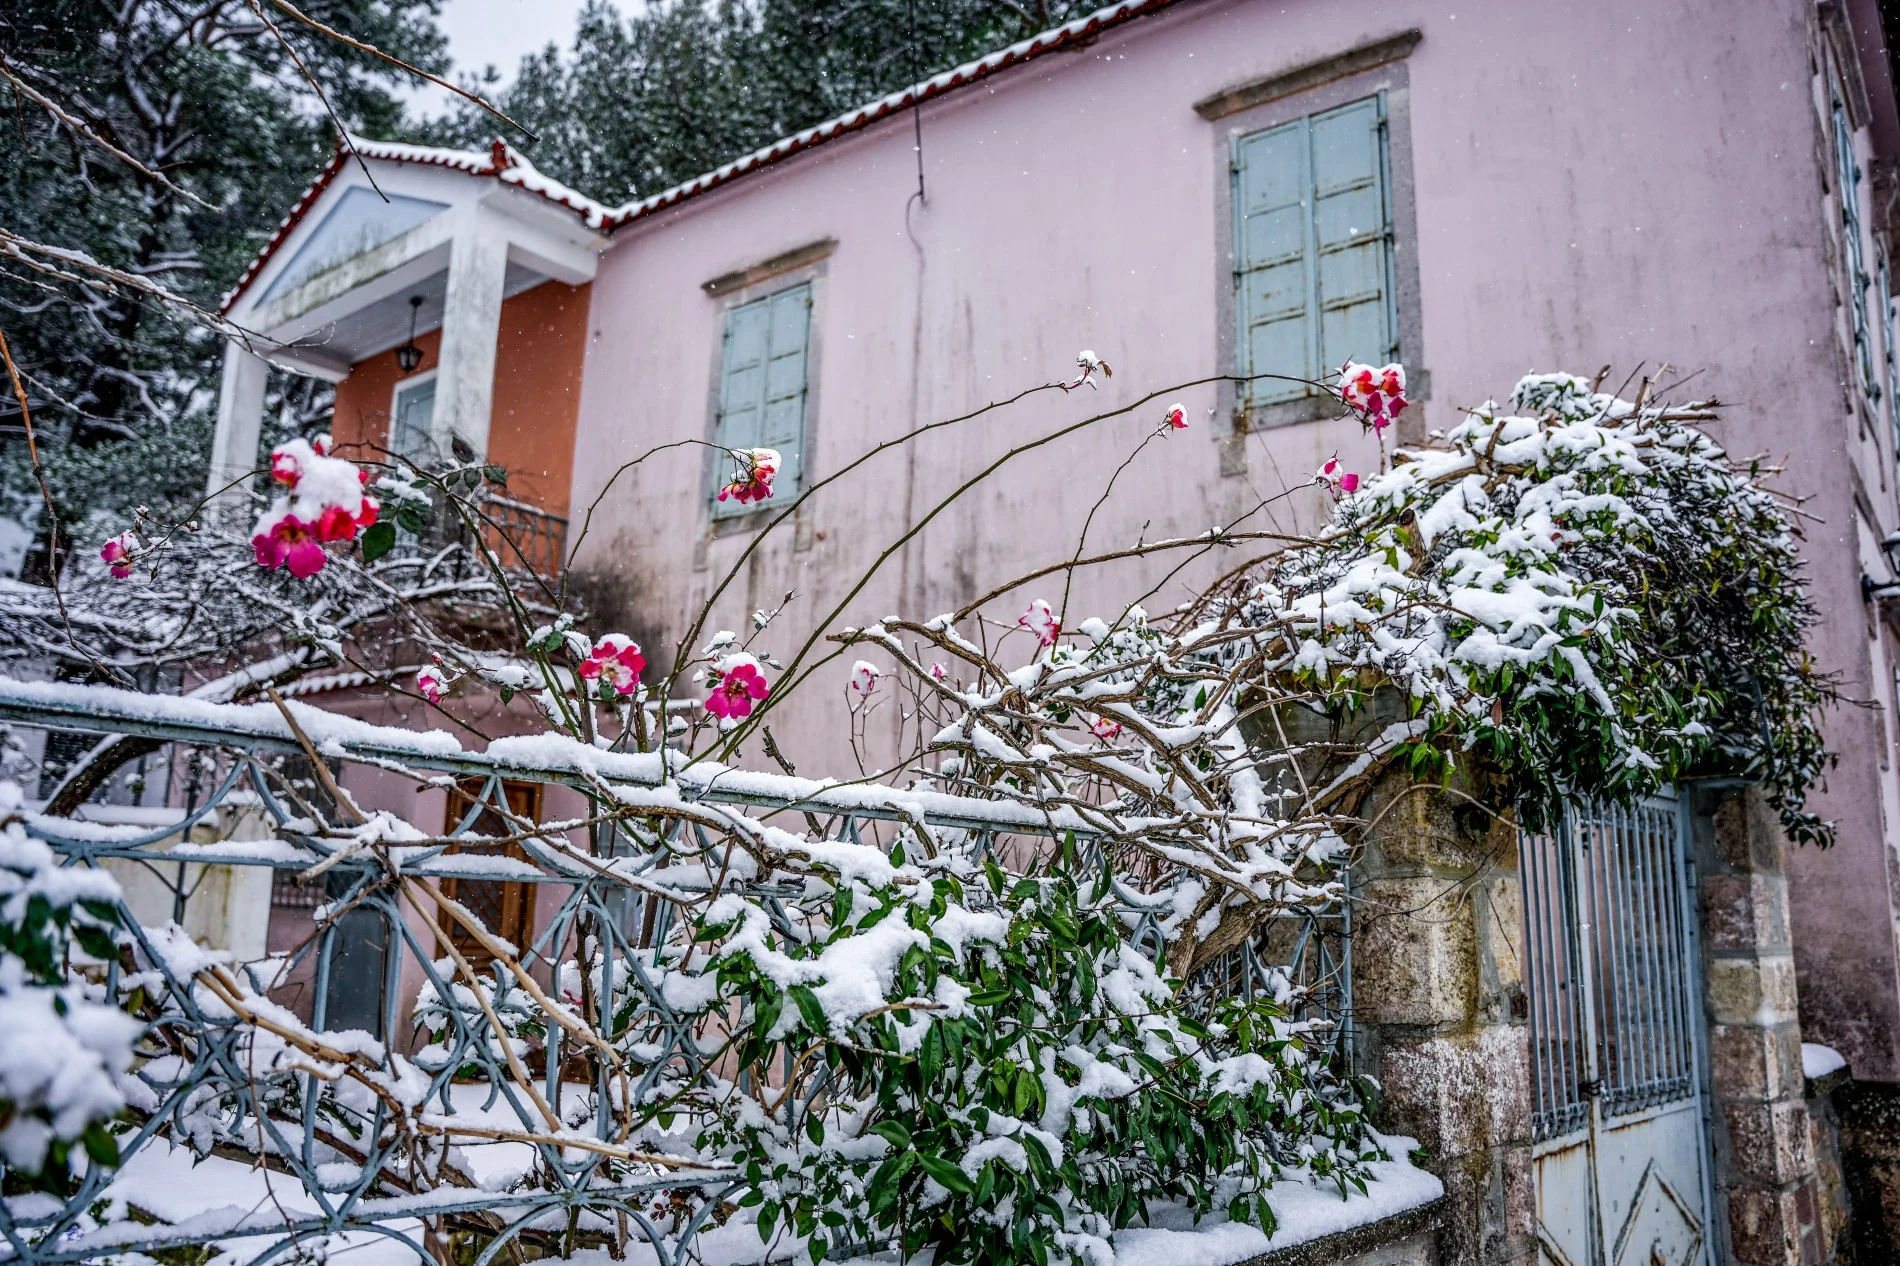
(1589, 595)
(61, 1050)
(1002, 1041)
(1043, 1083)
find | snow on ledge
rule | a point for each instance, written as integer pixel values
(1818, 1060)
(169, 1182)
(1305, 1213)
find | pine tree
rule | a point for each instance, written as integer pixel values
(207, 100)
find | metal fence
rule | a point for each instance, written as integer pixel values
(1607, 939)
(352, 1179)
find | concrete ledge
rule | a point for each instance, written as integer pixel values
(1359, 1243)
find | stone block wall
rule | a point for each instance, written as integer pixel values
(1766, 1191)
(1869, 1123)
(1439, 1006)
(1830, 1177)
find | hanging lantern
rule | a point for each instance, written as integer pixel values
(408, 356)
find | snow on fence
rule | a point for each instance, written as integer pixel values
(231, 1064)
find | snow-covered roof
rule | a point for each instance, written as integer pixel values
(1052, 40)
(507, 165)
(500, 161)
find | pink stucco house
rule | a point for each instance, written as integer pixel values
(1192, 189)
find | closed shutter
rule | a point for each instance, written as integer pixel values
(1313, 249)
(1352, 238)
(1274, 254)
(762, 381)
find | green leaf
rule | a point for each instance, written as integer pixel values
(892, 1132)
(768, 1218)
(100, 1145)
(885, 1187)
(809, 1008)
(378, 540)
(946, 1174)
(765, 1011)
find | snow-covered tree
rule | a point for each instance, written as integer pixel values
(165, 142)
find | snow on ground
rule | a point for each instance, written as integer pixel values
(1818, 1060)
(167, 1182)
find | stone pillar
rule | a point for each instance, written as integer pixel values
(240, 418)
(1765, 1186)
(471, 322)
(1439, 1006)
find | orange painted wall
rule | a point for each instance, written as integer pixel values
(538, 361)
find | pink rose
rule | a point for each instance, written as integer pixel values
(117, 554)
(1041, 620)
(733, 694)
(616, 660)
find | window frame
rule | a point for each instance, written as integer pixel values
(1391, 83)
(1847, 181)
(1883, 280)
(803, 266)
(404, 384)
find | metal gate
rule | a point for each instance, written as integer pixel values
(1619, 1109)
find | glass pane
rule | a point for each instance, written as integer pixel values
(415, 412)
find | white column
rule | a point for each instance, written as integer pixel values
(471, 321)
(240, 418)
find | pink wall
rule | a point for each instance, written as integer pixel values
(1618, 182)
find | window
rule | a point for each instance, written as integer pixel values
(1847, 182)
(762, 377)
(1891, 377)
(411, 419)
(1313, 270)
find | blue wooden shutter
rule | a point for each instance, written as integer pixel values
(1847, 176)
(1352, 238)
(1312, 249)
(762, 380)
(1272, 260)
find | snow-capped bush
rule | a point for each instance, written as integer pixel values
(1591, 596)
(984, 1064)
(1000, 1042)
(61, 1051)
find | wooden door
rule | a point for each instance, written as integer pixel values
(504, 907)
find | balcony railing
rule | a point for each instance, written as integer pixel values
(524, 536)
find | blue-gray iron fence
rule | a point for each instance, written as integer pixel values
(197, 1060)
